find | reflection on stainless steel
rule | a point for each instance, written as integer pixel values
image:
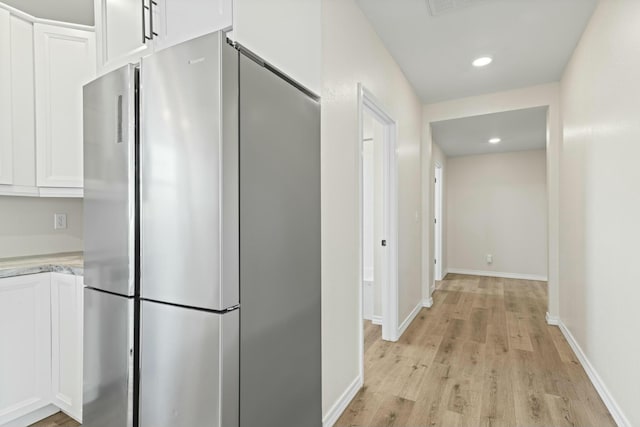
(189, 190)
(187, 357)
(279, 252)
(109, 188)
(108, 360)
(207, 112)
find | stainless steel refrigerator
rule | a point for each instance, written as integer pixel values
(202, 243)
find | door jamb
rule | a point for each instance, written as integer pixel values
(368, 102)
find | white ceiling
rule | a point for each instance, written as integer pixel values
(530, 41)
(519, 130)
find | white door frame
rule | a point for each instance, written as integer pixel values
(438, 200)
(368, 103)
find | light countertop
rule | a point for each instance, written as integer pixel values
(68, 263)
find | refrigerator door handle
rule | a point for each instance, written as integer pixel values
(119, 134)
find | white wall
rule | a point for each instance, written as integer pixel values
(76, 11)
(26, 226)
(497, 204)
(353, 53)
(600, 203)
(536, 96)
(285, 33)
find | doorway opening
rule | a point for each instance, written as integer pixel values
(438, 223)
(378, 228)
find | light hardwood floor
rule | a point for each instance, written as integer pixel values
(57, 420)
(483, 355)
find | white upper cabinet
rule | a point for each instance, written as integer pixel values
(6, 139)
(43, 65)
(127, 30)
(122, 32)
(180, 20)
(64, 62)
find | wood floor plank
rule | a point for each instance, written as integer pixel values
(483, 355)
(393, 412)
(59, 419)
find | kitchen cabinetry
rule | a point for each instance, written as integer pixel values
(181, 20)
(66, 343)
(64, 62)
(42, 67)
(41, 351)
(130, 29)
(6, 145)
(25, 353)
(120, 33)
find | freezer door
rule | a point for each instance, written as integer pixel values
(108, 372)
(109, 182)
(189, 174)
(280, 381)
(189, 367)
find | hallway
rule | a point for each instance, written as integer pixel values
(483, 355)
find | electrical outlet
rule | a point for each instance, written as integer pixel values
(59, 221)
(489, 258)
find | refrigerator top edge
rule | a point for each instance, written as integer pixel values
(275, 70)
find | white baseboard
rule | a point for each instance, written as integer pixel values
(33, 417)
(376, 320)
(341, 404)
(427, 302)
(497, 274)
(552, 320)
(405, 324)
(615, 410)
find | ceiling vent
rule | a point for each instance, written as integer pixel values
(438, 7)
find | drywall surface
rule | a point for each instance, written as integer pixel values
(600, 200)
(26, 226)
(76, 11)
(535, 96)
(497, 205)
(352, 54)
(285, 33)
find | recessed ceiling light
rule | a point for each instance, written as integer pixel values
(483, 61)
(494, 140)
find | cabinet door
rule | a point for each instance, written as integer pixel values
(25, 349)
(66, 345)
(120, 32)
(180, 20)
(6, 139)
(64, 61)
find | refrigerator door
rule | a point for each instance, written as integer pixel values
(189, 174)
(109, 182)
(280, 381)
(189, 367)
(108, 372)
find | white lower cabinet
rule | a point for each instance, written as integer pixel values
(66, 343)
(41, 345)
(25, 352)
